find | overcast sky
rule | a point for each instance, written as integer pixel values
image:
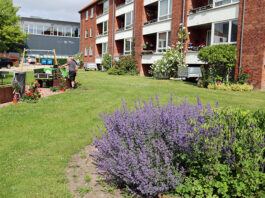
(66, 10)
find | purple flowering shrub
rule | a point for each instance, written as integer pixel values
(185, 149)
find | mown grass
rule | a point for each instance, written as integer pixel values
(38, 140)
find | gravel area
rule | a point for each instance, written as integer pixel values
(26, 67)
(44, 93)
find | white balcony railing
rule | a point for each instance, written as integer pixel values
(102, 18)
(99, 59)
(192, 58)
(101, 39)
(155, 26)
(123, 34)
(147, 2)
(209, 14)
(125, 8)
(150, 58)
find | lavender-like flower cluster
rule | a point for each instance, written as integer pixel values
(151, 149)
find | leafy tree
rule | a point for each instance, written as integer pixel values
(221, 59)
(11, 37)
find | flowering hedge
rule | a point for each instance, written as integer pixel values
(187, 150)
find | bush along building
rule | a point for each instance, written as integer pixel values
(111, 25)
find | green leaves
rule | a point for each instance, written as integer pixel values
(11, 37)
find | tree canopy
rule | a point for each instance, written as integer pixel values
(11, 36)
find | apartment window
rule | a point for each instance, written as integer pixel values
(128, 20)
(225, 32)
(128, 1)
(165, 9)
(163, 39)
(106, 7)
(86, 15)
(224, 2)
(104, 48)
(105, 27)
(68, 31)
(92, 13)
(91, 51)
(91, 32)
(86, 34)
(85, 51)
(234, 31)
(128, 46)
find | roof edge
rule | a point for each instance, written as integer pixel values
(87, 6)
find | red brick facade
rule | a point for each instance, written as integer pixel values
(253, 50)
(253, 54)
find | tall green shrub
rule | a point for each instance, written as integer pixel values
(221, 60)
(106, 62)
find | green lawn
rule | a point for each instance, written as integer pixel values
(38, 140)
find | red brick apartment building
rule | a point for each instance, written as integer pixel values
(111, 25)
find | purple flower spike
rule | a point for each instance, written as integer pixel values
(252, 125)
(262, 144)
(261, 165)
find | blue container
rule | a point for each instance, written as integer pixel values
(44, 61)
(49, 61)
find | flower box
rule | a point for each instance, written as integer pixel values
(58, 83)
(6, 93)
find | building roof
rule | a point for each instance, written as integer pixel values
(87, 6)
(39, 19)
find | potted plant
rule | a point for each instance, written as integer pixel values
(190, 46)
(202, 45)
(145, 46)
(63, 85)
(16, 86)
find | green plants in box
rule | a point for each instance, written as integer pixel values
(243, 76)
(54, 89)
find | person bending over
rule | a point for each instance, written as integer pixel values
(72, 68)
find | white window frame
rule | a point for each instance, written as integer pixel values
(229, 32)
(169, 10)
(231, 2)
(125, 18)
(86, 15)
(161, 50)
(85, 51)
(90, 51)
(91, 13)
(91, 32)
(103, 51)
(86, 34)
(124, 46)
(105, 32)
(105, 11)
(128, 1)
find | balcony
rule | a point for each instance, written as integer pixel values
(154, 26)
(99, 59)
(148, 2)
(123, 33)
(209, 14)
(124, 8)
(103, 17)
(192, 58)
(101, 38)
(150, 58)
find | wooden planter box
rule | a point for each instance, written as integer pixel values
(58, 83)
(6, 94)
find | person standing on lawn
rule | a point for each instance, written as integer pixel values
(72, 68)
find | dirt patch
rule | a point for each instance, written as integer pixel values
(84, 180)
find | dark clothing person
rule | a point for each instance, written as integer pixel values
(72, 72)
(72, 75)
